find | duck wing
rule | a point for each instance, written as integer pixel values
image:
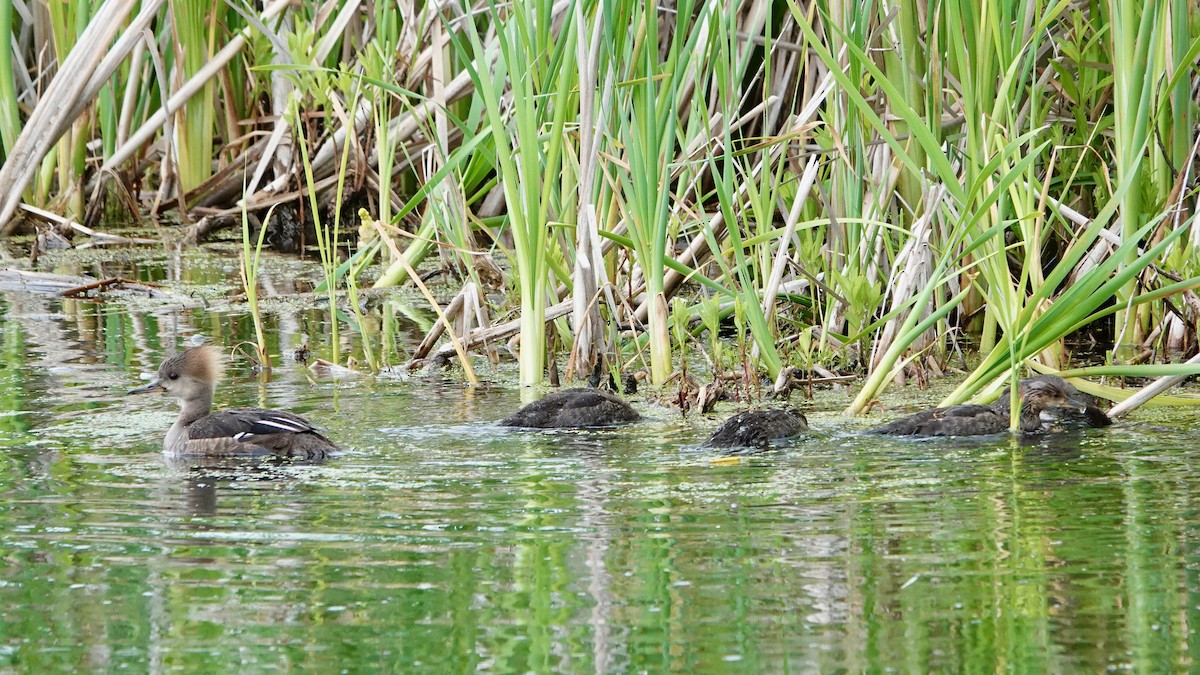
(250, 430)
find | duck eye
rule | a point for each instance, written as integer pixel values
(173, 376)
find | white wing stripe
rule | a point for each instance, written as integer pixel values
(283, 424)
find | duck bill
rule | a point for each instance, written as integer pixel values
(152, 387)
(1075, 404)
(1081, 408)
(1095, 416)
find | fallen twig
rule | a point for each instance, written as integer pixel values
(98, 238)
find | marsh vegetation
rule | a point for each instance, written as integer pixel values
(842, 188)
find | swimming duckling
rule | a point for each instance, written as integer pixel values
(1047, 403)
(191, 376)
(573, 408)
(757, 428)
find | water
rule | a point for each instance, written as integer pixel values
(443, 543)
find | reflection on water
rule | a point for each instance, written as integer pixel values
(441, 542)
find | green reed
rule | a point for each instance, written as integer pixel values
(195, 25)
(538, 68)
(251, 255)
(10, 116)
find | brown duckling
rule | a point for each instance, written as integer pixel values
(1048, 402)
(757, 428)
(191, 376)
(573, 408)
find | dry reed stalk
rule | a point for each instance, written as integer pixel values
(1149, 391)
(193, 86)
(64, 100)
(912, 271)
(588, 274)
(482, 336)
(781, 256)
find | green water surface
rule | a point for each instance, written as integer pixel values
(442, 543)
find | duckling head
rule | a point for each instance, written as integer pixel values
(1048, 401)
(1049, 397)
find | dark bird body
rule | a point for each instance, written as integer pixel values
(573, 408)
(757, 428)
(191, 376)
(1048, 402)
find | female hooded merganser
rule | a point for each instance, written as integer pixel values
(1047, 403)
(757, 428)
(573, 408)
(191, 376)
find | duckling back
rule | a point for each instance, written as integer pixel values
(757, 428)
(573, 408)
(958, 420)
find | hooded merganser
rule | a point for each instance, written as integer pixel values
(573, 408)
(1048, 402)
(757, 428)
(191, 376)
